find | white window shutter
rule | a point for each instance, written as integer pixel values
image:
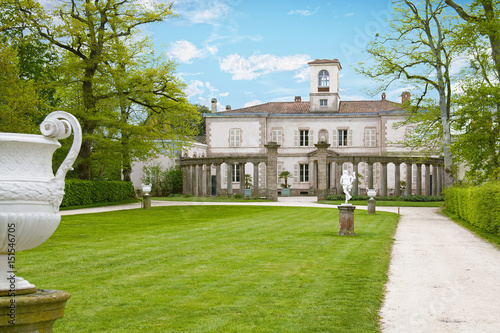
(335, 138)
(311, 138)
(295, 173)
(349, 138)
(296, 138)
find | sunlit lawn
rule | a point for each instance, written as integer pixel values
(215, 269)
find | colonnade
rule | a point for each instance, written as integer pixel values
(200, 179)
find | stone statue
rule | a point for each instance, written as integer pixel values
(346, 181)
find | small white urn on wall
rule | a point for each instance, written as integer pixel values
(30, 194)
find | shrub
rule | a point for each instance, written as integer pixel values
(479, 205)
(164, 182)
(85, 192)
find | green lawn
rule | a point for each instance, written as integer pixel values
(215, 269)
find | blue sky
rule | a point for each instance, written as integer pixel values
(247, 52)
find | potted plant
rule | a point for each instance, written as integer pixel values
(248, 185)
(285, 191)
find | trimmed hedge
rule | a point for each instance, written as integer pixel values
(414, 198)
(85, 192)
(479, 205)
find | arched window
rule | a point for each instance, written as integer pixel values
(323, 79)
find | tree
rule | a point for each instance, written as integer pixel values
(18, 98)
(418, 51)
(478, 39)
(88, 33)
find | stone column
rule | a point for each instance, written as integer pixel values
(242, 178)
(229, 175)
(193, 179)
(397, 179)
(370, 175)
(419, 179)
(184, 179)
(434, 179)
(409, 178)
(322, 169)
(218, 180)
(383, 180)
(200, 180)
(440, 178)
(208, 178)
(355, 185)
(427, 179)
(255, 179)
(271, 170)
(346, 220)
(338, 174)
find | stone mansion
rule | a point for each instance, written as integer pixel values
(315, 140)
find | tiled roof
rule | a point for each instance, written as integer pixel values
(303, 107)
(323, 61)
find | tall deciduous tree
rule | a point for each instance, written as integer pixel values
(478, 123)
(18, 97)
(87, 31)
(417, 51)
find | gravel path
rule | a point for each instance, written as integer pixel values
(442, 278)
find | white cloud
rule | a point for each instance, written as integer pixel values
(252, 103)
(185, 51)
(348, 14)
(195, 87)
(302, 12)
(225, 94)
(303, 74)
(203, 11)
(250, 68)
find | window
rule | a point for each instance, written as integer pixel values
(236, 173)
(277, 136)
(304, 138)
(343, 138)
(234, 137)
(323, 102)
(323, 79)
(304, 173)
(370, 137)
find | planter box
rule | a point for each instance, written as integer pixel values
(248, 192)
(285, 192)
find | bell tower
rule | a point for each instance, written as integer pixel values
(324, 96)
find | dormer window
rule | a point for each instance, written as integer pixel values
(323, 79)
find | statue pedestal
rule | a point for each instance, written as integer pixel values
(147, 202)
(371, 206)
(346, 220)
(35, 312)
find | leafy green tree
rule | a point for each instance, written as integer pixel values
(418, 51)
(18, 97)
(88, 32)
(478, 141)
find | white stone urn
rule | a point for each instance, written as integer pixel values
(371, 192)
(30, 194)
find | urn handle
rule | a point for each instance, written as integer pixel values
(58, 125)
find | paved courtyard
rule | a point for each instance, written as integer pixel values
(442, 278)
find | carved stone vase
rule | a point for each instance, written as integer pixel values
(30, 194)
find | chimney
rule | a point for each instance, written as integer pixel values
(228, 107)
(383, 96)
(298, 99)
(214, 105)
(405, 97)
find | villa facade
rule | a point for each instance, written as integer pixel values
(315, 140)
